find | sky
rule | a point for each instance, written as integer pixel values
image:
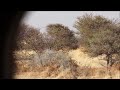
(40, 19)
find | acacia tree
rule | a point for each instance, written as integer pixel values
(30, 38)
(61, 37)
(99, 36)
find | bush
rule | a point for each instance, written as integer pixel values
(59, 59)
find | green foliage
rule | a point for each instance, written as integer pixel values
(88, 25)
(99, 36)
(61, 37)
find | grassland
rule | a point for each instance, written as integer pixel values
(85, 67)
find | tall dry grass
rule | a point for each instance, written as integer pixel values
(24, 70)
(80, 66)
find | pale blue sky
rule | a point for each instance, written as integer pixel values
(40, 19)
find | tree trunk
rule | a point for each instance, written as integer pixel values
(109, 61)
(109, 65)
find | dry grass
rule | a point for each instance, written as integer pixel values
(97, 73)
(86, 68)
(24, 54)
(51, 72)
(83, 59)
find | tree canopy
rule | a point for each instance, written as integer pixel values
(99, 36)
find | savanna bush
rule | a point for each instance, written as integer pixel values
(59, 59)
